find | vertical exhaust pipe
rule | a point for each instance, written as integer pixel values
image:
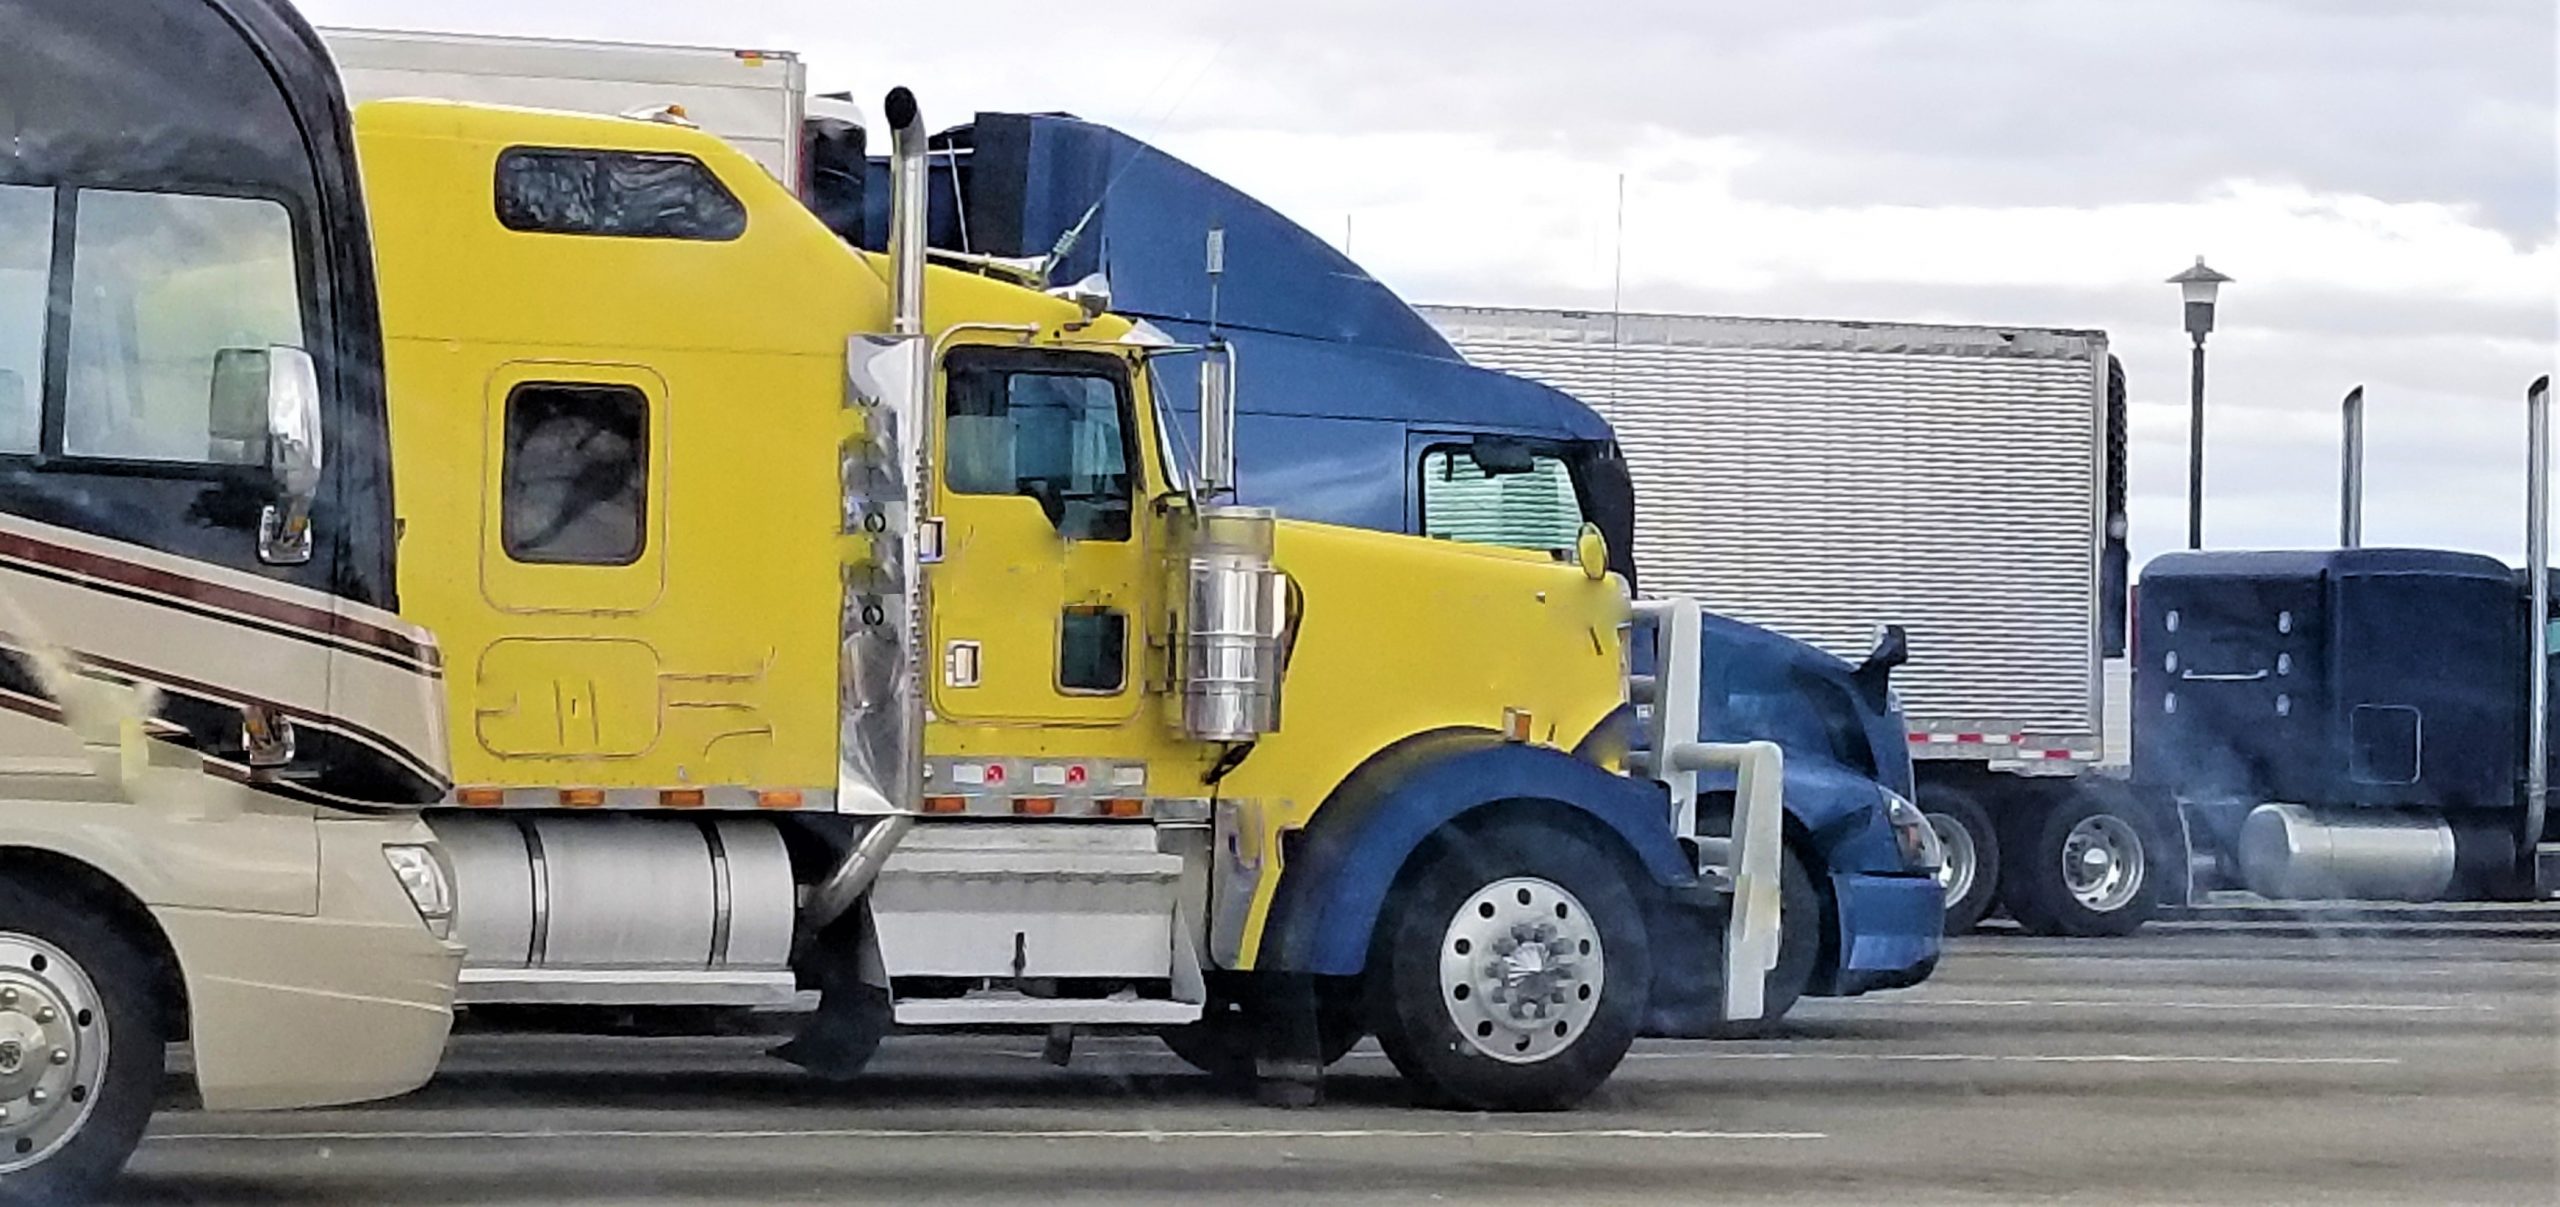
(2537, 564)
(907, 202)
(882, 743)
(2351, 472)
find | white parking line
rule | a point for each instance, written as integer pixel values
(2134, 1004)
(2072, 1058)
(1153, 1135)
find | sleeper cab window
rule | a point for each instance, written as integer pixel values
(576, 474)
(617, 194)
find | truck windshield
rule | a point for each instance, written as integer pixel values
(1045, 427)
(1525, 508)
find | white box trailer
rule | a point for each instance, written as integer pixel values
(1817, 477)
(753, 99)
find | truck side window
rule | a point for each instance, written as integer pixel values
(1046, 427)
(1534, 509)
(160, 284)
(576, 474)
(615, 193)
(26, 267)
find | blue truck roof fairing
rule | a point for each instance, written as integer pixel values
(1315, 335)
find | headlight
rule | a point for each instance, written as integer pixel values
(1912, 833)
(430, 887)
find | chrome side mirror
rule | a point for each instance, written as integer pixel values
(266, 407)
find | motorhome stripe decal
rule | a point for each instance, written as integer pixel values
(408, 760)
(281, 617)
(46, 710)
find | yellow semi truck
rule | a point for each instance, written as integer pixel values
(821, 620)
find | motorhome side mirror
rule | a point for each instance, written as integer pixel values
(286, 437)
(1498, 457)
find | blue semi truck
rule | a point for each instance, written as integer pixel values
(1354, 410)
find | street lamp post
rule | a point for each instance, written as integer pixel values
(2197, 285)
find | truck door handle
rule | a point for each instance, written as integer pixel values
(2230, 677)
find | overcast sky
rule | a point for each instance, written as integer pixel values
(2378, 176)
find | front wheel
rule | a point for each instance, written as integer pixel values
(80, 1048)
(1511, 973)
(1970, 872)
(2090, 866)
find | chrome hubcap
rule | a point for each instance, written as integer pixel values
(1956, 870)
(2102, 862)
(53, 1045)
(1521, 969)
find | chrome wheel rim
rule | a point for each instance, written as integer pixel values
(1521, 969)
(2102, 862)
(1956, 866)
(53, 1047)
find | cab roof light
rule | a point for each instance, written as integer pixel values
(582, 798)
(680, 798)
(946, 804)
(481, 798)
(1121, 806)
(778, 798)
(1035, 806)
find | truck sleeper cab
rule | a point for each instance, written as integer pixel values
(213, 727)
(881, 616)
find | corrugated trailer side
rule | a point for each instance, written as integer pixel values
(1821, 477)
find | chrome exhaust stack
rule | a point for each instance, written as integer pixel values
(907, 202)
(886, 477)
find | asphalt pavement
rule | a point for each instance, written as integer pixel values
(2247, 1056)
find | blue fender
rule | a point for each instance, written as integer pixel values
(1341, 867)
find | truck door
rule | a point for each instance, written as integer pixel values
(1035, 607)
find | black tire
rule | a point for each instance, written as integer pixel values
(1800, 925)
(2043, 897)
(1416, 1024)
(1223, 1043)
(1959, 819)
(119, 1091)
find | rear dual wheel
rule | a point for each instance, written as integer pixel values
(1511, 973)
(2090, 865)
